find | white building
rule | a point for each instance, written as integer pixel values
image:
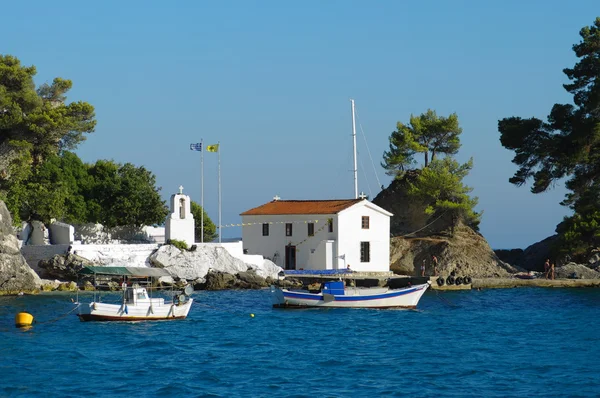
(319, 234)
(179, 224)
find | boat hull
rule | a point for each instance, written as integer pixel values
(96, 311)
(353, 298)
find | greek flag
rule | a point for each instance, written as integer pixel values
(196, 147)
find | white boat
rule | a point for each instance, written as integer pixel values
(135, 303)
(336, 295)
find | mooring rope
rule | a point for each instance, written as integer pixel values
(56, 319)
(443, 300)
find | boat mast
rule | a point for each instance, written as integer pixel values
(354, 146)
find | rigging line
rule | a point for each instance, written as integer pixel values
(414, 232)
(366, 179)
(368, 150)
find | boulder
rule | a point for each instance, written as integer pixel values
(63, 266)
(195, 265)
(15, 275)
(579, 271)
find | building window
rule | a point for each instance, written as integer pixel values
(365, 252)
(330, 225)
(288, 229)
(265, 229)
(365, 222)
(311, 229)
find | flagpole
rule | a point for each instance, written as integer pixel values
(202, 189)
(219, 153)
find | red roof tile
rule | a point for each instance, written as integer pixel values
(301, 207)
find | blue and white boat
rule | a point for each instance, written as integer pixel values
(336, 295)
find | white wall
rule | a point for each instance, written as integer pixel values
(351, 234)
(236, 250)
(61, 233)
(269, 246)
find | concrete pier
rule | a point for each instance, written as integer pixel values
(499, 283)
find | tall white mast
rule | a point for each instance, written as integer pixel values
(202, 190)
(219, 157)
(354, 146)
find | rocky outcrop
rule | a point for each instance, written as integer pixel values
(15, 275)
(533, 257)
(416, 237)
(212, 267)
(466, 252)
(63, 267)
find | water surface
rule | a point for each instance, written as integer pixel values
(504, 342)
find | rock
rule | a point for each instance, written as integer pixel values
(63, 266)
(250, 280)
(466, 252)
(195, 265)
(15, 275)
(581, 271)
(217, 280)
(67, 287)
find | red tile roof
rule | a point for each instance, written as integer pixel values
(301, 207)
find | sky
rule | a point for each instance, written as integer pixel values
(270, 81)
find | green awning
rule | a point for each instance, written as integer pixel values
(124, 271)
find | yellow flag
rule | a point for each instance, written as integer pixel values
(212, 148)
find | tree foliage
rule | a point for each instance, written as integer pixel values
(439, 183)
(426, 133)
(40, 117)
(124, 195)
(440, 186)
(210, 230)
(567, 144)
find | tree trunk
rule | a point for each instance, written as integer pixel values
(433, 155)
(426, 158)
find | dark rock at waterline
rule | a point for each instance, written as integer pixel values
(63, 266)
(15, 275)
(216, 280)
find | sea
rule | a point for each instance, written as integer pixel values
(491, 343)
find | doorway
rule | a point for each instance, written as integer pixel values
(290, 257)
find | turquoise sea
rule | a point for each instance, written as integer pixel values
(505, 342)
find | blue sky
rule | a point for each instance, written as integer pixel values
(271, 81)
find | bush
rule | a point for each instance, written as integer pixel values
(181, 245)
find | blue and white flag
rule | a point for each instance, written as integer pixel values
(196, 147)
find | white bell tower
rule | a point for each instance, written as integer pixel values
(179, 224)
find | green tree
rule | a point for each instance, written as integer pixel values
(35, 125)
(567, 144)
(440, 186)
(124, 195)
(53, 190)
(210, 230)
(426, 133)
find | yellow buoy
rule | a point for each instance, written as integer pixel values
(251, 315)
(23, 319)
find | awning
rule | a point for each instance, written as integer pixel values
(124, 271)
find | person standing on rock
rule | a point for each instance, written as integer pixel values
(423, 268)
(546, 268)
(435, 265)
(552, 271)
